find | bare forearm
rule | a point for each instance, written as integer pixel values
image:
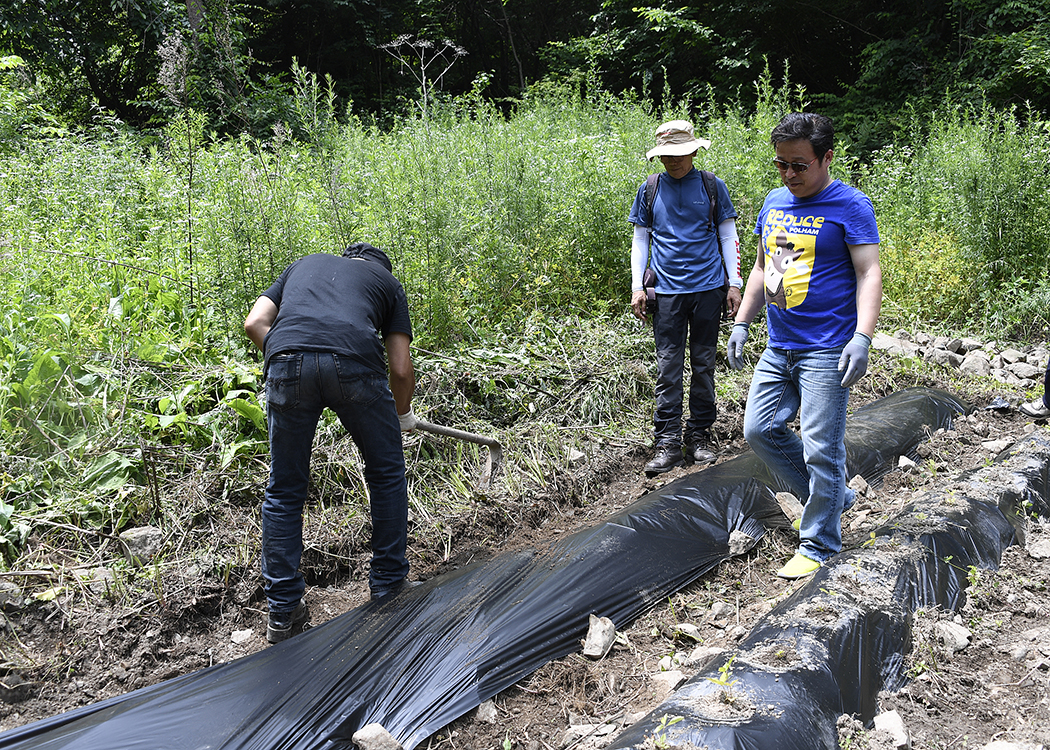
(754, 296)
(259, 321)
(869, 287)
(402, 373)
(403, 386)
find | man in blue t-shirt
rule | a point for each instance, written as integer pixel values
(328, 328)
(696, 259)
(817, 273)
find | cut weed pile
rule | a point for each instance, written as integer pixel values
(82, 626)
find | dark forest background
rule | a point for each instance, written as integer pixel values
(868, 63)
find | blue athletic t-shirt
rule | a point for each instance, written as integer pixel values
(810, 281)
(684, 249)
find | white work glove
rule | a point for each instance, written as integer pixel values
(408, 420)
(735, 350)
(854, 359)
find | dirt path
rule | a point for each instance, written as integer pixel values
(91, 642)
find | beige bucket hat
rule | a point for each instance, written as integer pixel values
(675, 138)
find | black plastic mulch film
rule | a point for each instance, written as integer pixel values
(425, 657)
(836, 642)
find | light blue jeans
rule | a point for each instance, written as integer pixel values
(787, 384)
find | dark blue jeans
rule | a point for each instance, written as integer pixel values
(299, 386)
(696, 315)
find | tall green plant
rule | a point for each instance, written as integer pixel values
(964, 212)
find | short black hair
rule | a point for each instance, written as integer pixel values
(817, 129)
(368, 252)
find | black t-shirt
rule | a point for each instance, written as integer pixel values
(327, 303)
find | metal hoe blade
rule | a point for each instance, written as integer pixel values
(495, 452)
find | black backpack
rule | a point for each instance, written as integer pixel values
(652, 185)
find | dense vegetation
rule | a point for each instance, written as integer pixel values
(130, 258)
(865, 62)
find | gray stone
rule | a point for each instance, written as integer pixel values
(971, 345)
(976, 364)
(487, 712)
(995, 446)
(98, 580)
(859, 485)
(374, 737)
(906, 465)
(690, 631)
(665, 683)
(702, 655)
(954, 637)
(671, 661)
(1013, 355)
(142, 544)
(1007, 745)
(1019, 652)
(891, 723)
(954, 345)
(790, 505)
(720, 610)
(10, 597)
(1025, 370)
(944, 357)
(739, 542)
(600, 637)
(899, 347)
(1039, 549)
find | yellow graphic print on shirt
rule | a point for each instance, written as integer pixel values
(789, 264)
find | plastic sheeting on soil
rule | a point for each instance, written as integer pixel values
(425, 657)
(841, 638)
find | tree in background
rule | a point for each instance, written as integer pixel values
(868, 63)
(92, 53)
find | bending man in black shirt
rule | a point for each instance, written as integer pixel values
(323, 327)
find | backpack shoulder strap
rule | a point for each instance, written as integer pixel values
(652, 184)
(712, 198)
(712, 221)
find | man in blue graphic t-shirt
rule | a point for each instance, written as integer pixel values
(817, 273)
(696, 258)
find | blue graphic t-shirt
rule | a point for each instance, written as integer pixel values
(810, 281)
(684, 250)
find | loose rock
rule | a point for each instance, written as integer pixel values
(141, 544)
(600, 637)
(375, 737)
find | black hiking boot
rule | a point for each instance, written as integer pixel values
(385, 591)
(666, 459)
(281, 625)
(697, 452)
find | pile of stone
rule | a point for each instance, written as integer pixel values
(1023, 366)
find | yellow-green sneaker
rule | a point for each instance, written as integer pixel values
(796, 524)
(798, 566)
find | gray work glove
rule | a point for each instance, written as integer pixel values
(735, 350)
(854, 359)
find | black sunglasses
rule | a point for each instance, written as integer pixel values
(796, 166)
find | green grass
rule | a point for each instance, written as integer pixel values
(130, 263)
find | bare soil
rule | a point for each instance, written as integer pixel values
(85, 644)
